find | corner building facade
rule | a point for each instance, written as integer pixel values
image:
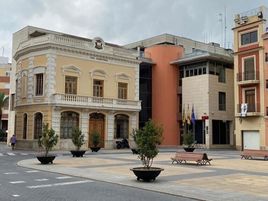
(69, 81)
(251, 83)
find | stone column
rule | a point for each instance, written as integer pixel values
(56, 120)
(50, 75)
(84, 124)
(30, 87)
(110, 130)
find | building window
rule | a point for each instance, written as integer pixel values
(249, 68)
(248, 38)
(38, 121)
(12, 102)
(39, 84)
(250, 99)
(222, 101)
(24, 126)
(122, 90)
(266, 57)
(70, 85)
(6, 103)
(98, 88)
(69, 120)
(220, 71)
(266, 84)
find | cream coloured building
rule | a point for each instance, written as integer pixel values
(5, 68)
(69, 81)
(251, 83)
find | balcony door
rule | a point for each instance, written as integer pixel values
(249, 69)
(250, 99)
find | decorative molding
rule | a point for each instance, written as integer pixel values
(72, 69)
(98, 43)
(122, 76)
(98, 73)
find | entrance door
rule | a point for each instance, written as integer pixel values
(251, 140)
(97, 123)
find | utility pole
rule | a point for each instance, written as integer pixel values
(225, 27)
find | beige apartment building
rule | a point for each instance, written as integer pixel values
(5, 69)
(251, 79)
(69, 81)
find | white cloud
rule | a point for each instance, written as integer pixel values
(122, 21)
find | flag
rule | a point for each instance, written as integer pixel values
(188, 118)
(193, 116)
(183, 116)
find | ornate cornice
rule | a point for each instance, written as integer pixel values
(100, 56)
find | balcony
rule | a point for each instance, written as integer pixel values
(69, 100)
(252, 110)
(249, 77)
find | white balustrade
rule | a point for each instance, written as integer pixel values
(88, 101)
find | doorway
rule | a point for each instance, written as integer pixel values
(97, 123)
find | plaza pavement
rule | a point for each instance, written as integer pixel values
(227, 178)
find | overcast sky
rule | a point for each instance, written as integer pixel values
(123, 21)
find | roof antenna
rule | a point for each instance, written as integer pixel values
(3, 51)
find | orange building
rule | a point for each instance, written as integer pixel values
(161, 81)
(164, 92)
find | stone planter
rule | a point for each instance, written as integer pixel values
(46, 159)
(189, 149)
(78, 153)
(146, 174)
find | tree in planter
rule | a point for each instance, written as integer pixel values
(78, 140)
(47, 141)
(95, 141)
(188, 141)
(147, 140)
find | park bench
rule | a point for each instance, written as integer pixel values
(250, 153)
(199, 158)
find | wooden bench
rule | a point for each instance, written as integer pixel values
(199, 158)
(250, 153)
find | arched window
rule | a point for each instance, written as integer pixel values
(25, 126)
(121, 126)
(38, 121)
(68, 121)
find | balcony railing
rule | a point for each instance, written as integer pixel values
(248, 76)
(69, 41)
(95, 102)
(250, 108)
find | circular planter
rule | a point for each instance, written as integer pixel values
(95, 149)
(189, 149)
(46, 159)
(146, 174)
(78, 153)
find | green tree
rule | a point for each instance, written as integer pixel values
(3, 99)
(48, 139)
(95, 138)
(147, 140)
(77, 138)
